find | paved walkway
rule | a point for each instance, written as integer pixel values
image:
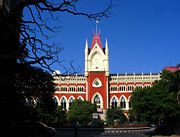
(107, 132)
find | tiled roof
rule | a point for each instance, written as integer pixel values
(172, 69)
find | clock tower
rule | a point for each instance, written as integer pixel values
(97, 73)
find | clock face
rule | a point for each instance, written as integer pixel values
(96, 83)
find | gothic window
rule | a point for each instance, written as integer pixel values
(123, 103)
(57, 88)
(122, 88)
(55, 100)
(63, 103)
(80, 98)
(130, 88)
(147, 86)
(114, 103)
(97, 101)
(80, 89)
(63, 88)
(72, 89)
(71, 101)
(113, 88)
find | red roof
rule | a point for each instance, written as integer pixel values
(172, 69)
(96, 39)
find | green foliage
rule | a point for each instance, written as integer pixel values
(33, 82)
(156, 104)
(55, 118)
(114, 114)
(81, 112)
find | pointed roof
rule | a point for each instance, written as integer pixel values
(96, 39)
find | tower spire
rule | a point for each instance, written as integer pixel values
(106, 47)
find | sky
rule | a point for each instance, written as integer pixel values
(143, 35)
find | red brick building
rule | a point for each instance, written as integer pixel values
(97, 85)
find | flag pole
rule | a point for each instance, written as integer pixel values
(96, 26)
(97, 21)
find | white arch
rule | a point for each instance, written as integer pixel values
(68, 104)
(122, 96)
(96, 51)
(64, 97)
(129, 101)
(116, 99)
(113, 97)
(71, 97)
(129, 98)
(80, 97)
(57, 99)
(65, 100)
(101, 99)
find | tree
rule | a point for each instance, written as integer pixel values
(29, 48)
(56, 117)
(155, 104)
(114, 114)
(172, 80)
(36, 88)
(32, 85)
(20, 44)
(81, 112)
(34, 82)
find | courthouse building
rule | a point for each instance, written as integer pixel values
(97, 84)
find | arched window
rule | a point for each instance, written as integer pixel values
(97, 101)
(123, 102)
(130, 87)
(71, 101)
(63, 103)
(147, 86)
(113, 88)
(114, 103)
(55, 100)
(63, 88)
(122, 88)
(80, 89)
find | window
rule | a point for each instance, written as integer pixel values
(130, 88)
(80, 89)
(57, 88)
(55, 100)
(72, 89)
(97, 101)
(147, 86)
(80, 98)
(123, 102)
(113, 88)
(122, 88)
(63, 103)
(63, 88)
(114, 103)
(138, 86)
(71, 101)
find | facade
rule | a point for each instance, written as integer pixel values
(97, 85)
